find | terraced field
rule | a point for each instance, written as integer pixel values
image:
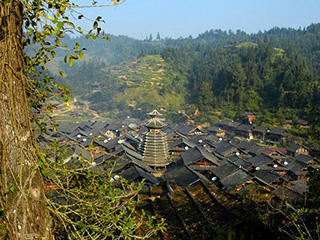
(147, 80)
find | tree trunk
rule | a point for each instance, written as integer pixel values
(21, 185)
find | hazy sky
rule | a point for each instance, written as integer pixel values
(175, 18)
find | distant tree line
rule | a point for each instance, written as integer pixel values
(273, 73)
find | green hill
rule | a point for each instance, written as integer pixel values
(145, 83)
(270, 73)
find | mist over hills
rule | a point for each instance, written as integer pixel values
(218, 71)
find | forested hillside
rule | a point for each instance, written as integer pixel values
(273, 73)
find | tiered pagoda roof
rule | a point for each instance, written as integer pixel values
(155, 146)
(155, 122)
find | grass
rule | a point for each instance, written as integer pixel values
(144, 80)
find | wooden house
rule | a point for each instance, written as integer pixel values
(295, 150)
(229, 126)
(198, 156)
(259, 132)
(276, 135)
(270, 177)
(179, 146)
(248, 117)
(244, 131)
(238, 179)
(185, 131)
(216, 131)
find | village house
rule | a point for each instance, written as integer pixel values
(248, 117)
(295, 150)
(244, 131)
(201, 159)
(259, 132)
(276, 135)
(228, 125)
(180, 145)
(198, 156)
(185, 131)
(237, 180)
(114, 130)
(216, 131)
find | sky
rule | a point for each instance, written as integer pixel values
(182, 18)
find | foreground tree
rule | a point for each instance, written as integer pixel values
(21, 183)
(94, 210)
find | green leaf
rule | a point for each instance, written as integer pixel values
(81, 55)
(62, 74)
(95, 24)
(60, 25)
(41, 156)
(70, 61)
(53, 54)
(74, 56)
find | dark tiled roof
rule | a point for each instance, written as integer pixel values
(211, 138)
(249, 147)
(237, 178)
(66, 127)
(224, 170)
(98, 125)
(221, 144)
(195, 154)
(80, 152)
(183, 176)
(278, 131)
(180, 141)
(293, 148)
(303, 158)
(224, 123)
(168, 131)
(134, 139)
(244, 128)
(299, 186)
(261, 159)
(197, 139)
(115, 126)
(135, 173)
(215, 129)
(68, 138)
(296, 167)
(260, 129)
(267, 176)
(225, 150)
(239, 161)
(78, 132)
(184, 129)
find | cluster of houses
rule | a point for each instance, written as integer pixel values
(217, 158)
(211, 154)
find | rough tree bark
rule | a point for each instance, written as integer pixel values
(21, 184)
